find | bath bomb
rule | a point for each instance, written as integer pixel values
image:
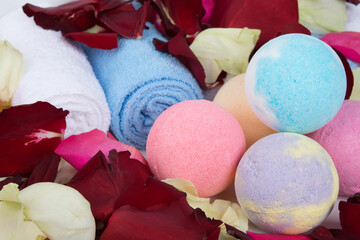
(286, 183)
(231, 96)
(199, 141)
(295, 83)
(341, 138)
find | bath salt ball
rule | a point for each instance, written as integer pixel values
(295, 83)
(341, 138)
(199, 141)
(286, 183)
(231, 96)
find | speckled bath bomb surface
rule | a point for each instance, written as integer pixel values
(286, 183)
(341, 138)
(295, 83)
(199, 141)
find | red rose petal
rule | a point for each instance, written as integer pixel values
(95, 40)
(179, 48)
(322, 233)
(74, 16)
(356, 2)
(44, 171)
(154, 192)
(259, 236)
(163, 221)
(16, 179)
(350, 219)
(178, 15)
(210, 225)
(348, 43)
(349, 74)
(236, 233)
(125, 20)
(102, 184)
(271, 17)
(27, 134)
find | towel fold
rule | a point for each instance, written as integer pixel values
(57, 71)
(140, 83)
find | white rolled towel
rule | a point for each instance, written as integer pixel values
(57, 71)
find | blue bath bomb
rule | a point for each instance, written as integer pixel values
(295, 83)
(286, 183)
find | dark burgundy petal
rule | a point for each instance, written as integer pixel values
(349, 74)
(271, 17)
(211, 226)
(236, 233)
(44, 171)
(125, 20)
(16, 179)
(356, 2)
(179, 48)
(102, 184)
(74, 16)
(106, 5)
(95, 40)
(154, 192)
(350, 219)
(294, 27)
(177, 15)
(27, 134)
(354, 199)
(162, 221)
(322, 233)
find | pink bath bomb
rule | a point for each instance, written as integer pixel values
(199, 141)
(341, 139)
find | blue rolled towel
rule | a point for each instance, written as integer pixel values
(140, 83)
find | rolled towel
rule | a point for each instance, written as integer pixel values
(57, 71)
(140, 83)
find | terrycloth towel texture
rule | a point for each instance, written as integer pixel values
(56, 70)
(140, 83)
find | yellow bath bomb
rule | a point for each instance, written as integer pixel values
(232, 97)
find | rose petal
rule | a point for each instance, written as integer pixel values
(224, 49)
(322, 233)
(236, 233)
(179, 48)
(356, 2)
(79, 149)
(163, 221)
(74, 16)
(259, 236)
(209, 7)
(125, 20)
(350, 219)
(27, 133)
(154, 192)
(44, 171)
(179, 15)
(271, 17)
(323, 16)
(348, 43)
(349, 74)
(95, 40)
(355, 94)
(102, 184)
(16, 179)
(11, 61)
(13, 224)
(226, 211)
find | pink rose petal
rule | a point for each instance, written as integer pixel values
(348, 43)
(79, 149)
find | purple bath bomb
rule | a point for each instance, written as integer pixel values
(341, 139)
(286, 183)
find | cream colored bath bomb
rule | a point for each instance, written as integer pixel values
(199, 141)
(232, 97)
